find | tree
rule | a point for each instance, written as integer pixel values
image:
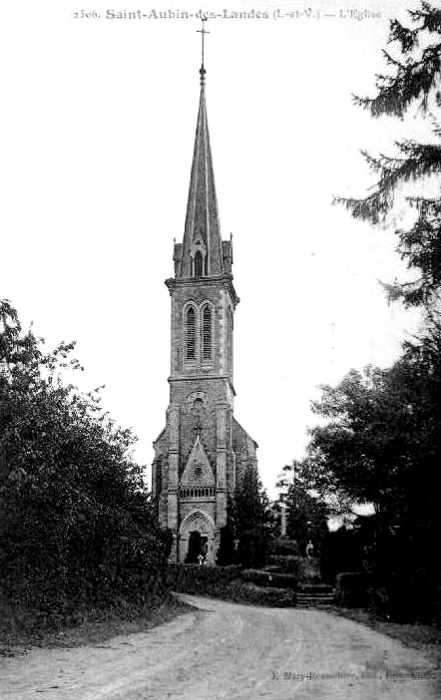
(307, 513)
(382, 445)
(245, 538)
(346, 455)
(378, 427)
(411, 86)
(76, 524)
(383, 439)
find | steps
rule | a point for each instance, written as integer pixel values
(315, 595)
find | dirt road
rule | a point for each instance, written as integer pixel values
(229, 652)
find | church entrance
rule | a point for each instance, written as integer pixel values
(197, 547)
(196, 538)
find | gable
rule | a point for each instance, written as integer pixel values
(198, 471)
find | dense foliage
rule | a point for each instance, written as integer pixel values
(76, 524)
(245, 538)
(411, 87)
(306, 512)
(379, 439)
(381, 444)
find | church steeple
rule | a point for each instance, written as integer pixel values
(201, 253)
(203, 450)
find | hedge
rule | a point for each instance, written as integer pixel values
(287, 564)
(269, 578)
(245, 592)
(284, 546)
(353, 588)
(227, 582)
(203, 580)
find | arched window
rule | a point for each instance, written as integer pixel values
(207, 333)
(198, 264)
(190, 334)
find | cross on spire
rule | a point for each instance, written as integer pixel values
(203, 32)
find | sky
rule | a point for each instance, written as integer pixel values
(97, 122)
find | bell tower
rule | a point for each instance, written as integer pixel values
(202, 448)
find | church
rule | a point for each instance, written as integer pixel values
(203, 451)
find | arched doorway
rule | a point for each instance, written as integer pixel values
(196, 537)
(197, 547)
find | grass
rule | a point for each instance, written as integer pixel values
(94, 627)
(416, 635)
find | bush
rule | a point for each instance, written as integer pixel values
(283, 546)
(227, 582)
(77, 526)
(340, 551)
(314, 587)
(246, 592)
(201, 580)
(227, 553)
(308, 570)
(353, 588)
(288, 564)
(400, 600)
(269, 579)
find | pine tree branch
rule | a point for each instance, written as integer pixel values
(421, 160)
(407, 38)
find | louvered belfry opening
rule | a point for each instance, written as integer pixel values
(206, 333)
(190, 333)
(198, 264)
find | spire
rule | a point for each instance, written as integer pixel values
(202, 70)
(202, 246)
